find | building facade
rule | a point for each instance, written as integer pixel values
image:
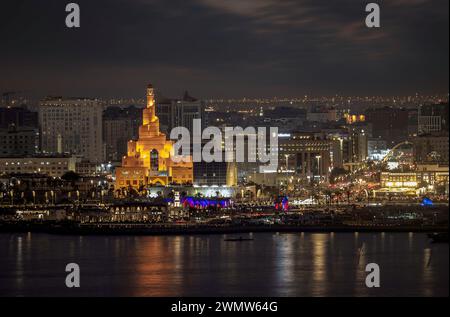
(120, 126)
(376, 149)
(357, 144)
(322, 115)
(174, 113)
(55, 166)
(389, 124)
(18, 141)
(426, 176)
(19, 117)
(305, 154)
(72, 126)
(210, 174)
(431, 148)
(433, 118)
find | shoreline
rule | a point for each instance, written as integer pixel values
(151, 230)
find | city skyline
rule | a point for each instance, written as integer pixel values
(222, 50)
(234, 152)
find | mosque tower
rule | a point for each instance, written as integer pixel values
(148, 161)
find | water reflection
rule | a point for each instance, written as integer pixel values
(427, 273)
(284, 261)
(157, 265)
(319, 259)
(19, 262)
(304, 264)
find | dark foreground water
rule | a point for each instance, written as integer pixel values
(309, 264)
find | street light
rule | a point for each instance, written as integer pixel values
(318, 157)
(287, 161)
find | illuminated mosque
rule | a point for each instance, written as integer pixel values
(149, 159)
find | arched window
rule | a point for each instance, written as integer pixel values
(154, 160)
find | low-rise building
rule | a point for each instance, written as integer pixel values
(55, 166)
(426, 177)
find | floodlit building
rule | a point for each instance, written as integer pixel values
(425, 176)
(149, 160)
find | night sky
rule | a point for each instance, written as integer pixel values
(224, 48)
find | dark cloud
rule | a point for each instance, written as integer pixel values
(224, 47)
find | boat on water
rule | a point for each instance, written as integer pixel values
(238, 239)
(439, 237)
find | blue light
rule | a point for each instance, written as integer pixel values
(427, 202)
(203, 203)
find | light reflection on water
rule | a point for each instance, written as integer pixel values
(304, 264)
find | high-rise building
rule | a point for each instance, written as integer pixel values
(150, 160)
(389, 124)
(357, 151)
(180, 113)
(120, 126)
(413, 127)
(72, 126)
(349, 144)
